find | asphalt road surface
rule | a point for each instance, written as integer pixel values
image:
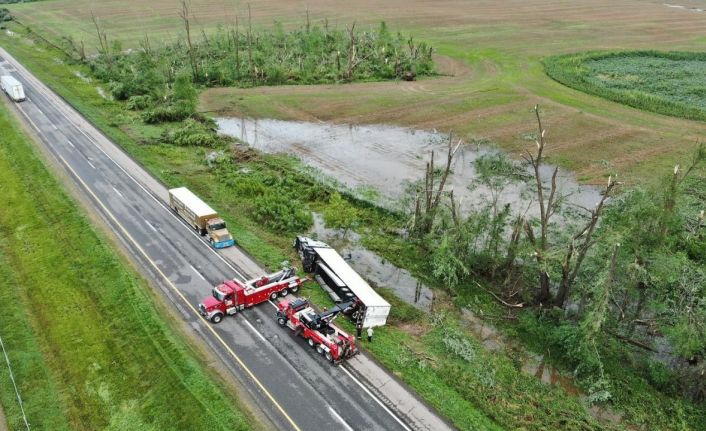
(293, 385)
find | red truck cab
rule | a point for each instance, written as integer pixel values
(232, 296)
(317, 329)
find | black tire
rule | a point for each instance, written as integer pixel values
(311, 342)
(320, 350)
(294, 289)
(217, 318)
(282, 321)
(284, 292)
(329, 356)
(273, 296)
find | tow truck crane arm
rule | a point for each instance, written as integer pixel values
(322, 319)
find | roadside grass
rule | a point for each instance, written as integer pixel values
(89, 346)
(39, 392)
(669, 83)
(229, 186)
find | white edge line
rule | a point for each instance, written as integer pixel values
(262, 337)
(355, 379)
(331, 409)
(162, 204)
(60, 104)
(394, 416)
(197, 273)
(340, 419)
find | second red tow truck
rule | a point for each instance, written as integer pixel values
(329, 340)
(232, 296)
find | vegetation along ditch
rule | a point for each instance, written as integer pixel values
(617, 283)
(88, 344)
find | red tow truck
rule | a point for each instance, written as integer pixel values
(231, 296)
(330, 341)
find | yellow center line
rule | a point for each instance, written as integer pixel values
(188, 304)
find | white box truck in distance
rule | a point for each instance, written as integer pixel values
(200, 216)
(12, 87)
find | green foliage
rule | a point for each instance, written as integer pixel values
(192, 133)
(668, 83)
(447, 261)
(661, 376)
(339, 214)
(90, 348)
(280, 213)
(164, 114)
(138, 103)
(310, 55)
(5, 14)
(469, 394)
(184, 93)
(138, 77)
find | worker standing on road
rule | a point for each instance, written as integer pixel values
(370, 334)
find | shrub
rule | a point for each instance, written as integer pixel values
(281, 213)
(138, 103)
(5, 15)
(193, 134)
(163, 114)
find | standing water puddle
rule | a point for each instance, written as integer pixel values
(386, 158)
(375, 269)
(389, 158)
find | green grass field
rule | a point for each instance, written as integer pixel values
(396, 347)
(670, 83)
(410, 346)
(492, 52)
(89, 346)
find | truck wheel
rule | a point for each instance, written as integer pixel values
(311, 342)
(273, 296)
(319, 349)
(329, 356)
(294, 289)
(282, 321)
(216, 318)
(284, 292)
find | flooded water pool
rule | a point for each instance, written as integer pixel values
(386, 158)
(375, 269)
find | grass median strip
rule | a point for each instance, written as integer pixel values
(88, 346)
(476, 388)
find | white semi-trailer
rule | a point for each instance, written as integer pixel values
(342, 283)
(13, 88)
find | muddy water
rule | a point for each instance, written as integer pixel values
(386, 158)
(374, 268)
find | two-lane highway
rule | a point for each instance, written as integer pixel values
(296, 387)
